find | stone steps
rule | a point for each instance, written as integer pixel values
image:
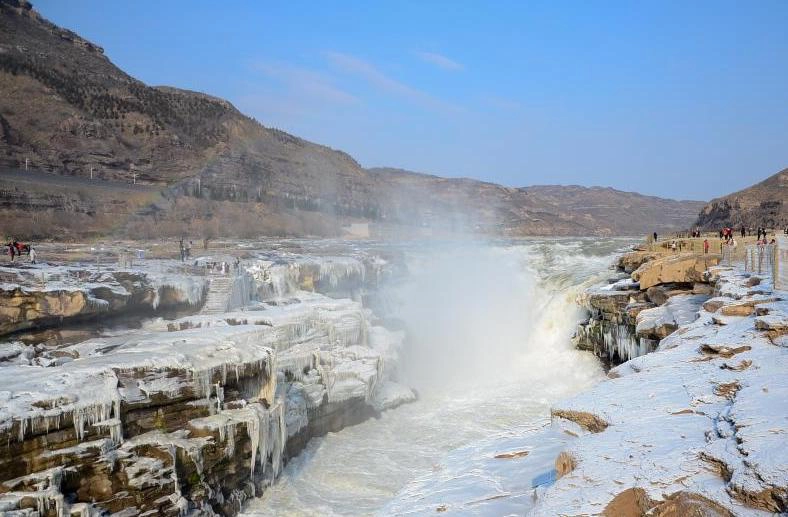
(219, 292)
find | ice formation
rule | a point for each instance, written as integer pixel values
(142, 402)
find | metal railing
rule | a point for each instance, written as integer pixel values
(760, 258)
(780, 269)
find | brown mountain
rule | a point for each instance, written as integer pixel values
(763, 204)
(66, 110)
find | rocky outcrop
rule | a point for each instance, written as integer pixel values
(40, 296)
(131, 423)
(653, 294)
(680, 268)
(635, 502)
(699, 417)
(659, 322)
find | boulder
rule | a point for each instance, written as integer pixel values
(659, 294)
(682, 504)
(629, 262)
(702, 288)
(632, 502)
(680, 268)
(588, 421)
(608, 302)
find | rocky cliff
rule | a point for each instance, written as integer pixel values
(763, 204)
(196, 414)
(38, 297)
(653, 294)
(69, 111)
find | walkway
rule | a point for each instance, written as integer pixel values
(219, 291)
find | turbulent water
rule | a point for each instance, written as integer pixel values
(489, 350)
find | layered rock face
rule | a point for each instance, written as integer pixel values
(695, 428)
(37, 296)
(196, 414)
(650, 298)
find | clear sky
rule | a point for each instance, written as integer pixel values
(685, 99)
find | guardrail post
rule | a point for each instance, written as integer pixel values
(780, 276)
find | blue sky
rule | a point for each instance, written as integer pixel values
(678, 99)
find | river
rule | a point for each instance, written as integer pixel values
(489, 350)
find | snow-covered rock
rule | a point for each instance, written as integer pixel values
(705, 414)
(191, 415)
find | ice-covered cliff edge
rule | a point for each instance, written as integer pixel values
(706, 414)
(196, 414)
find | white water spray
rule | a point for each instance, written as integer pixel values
(489, 351)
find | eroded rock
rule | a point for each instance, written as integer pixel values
(681, 268)
(588, 421)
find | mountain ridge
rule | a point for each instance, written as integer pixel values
(763, 204)
(69, 110)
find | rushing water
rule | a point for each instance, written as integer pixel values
(489, 350)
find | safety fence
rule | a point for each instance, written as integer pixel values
(781, 263)
(727, 253)
(760, 258)
(769, 259)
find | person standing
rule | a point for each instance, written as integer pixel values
(655, 236)
(32, 255)
(743, 232)
(706, 246)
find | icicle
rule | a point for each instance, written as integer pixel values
(268, 389)
(281, 438)
(229, 449)
(219, 396)
(22, 428)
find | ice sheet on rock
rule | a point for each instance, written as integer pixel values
(265, 427)
(88, 277)
(389, 395)
(191, 287)
(677, 311)
(498, 476)
(624, 284)
(15, 352)
(279, 277)
(86, 389)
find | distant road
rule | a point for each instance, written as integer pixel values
(56, 180)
